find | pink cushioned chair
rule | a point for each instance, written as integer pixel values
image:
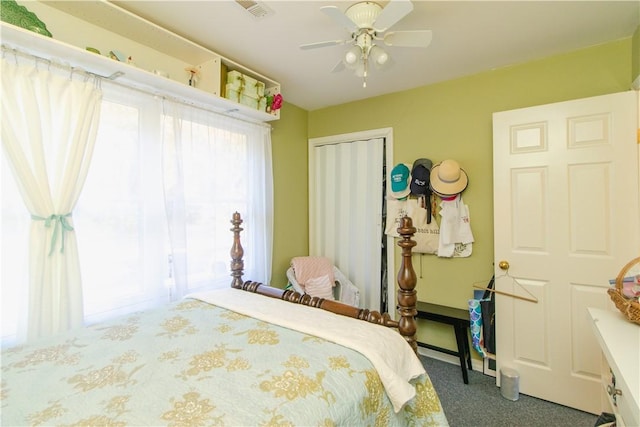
(344, 291)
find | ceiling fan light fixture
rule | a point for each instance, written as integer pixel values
(378, 56)
(368, 22)
(352, 56)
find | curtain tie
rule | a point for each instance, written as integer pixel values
(60, 226)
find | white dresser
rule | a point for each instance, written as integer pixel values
(620, 342)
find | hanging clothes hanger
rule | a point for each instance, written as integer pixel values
(513, 279)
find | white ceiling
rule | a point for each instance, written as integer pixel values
(468, 37)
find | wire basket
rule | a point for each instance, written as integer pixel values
(630, 307)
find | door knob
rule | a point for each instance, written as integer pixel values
(504, 265)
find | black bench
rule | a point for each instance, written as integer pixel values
(459, 319)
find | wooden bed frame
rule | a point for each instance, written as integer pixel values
(407, 298)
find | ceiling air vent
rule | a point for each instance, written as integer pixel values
(256, 9)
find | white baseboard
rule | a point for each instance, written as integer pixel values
(476, 364)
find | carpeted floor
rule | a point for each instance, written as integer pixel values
(480, 403)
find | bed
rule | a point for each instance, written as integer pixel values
(249, 355)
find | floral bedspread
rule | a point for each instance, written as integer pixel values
(197, 364)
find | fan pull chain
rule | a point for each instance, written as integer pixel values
(364, 75)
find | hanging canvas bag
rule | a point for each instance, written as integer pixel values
(456, 238)
(427, 236)
(396, 210)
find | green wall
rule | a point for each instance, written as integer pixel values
(452, 119)
(446, 120)
(291, 190)
(635, 57)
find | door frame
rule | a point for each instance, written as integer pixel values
(387, 134)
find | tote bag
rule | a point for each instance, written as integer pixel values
(396, 210)
(427, 235)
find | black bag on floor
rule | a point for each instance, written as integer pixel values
(488, 307)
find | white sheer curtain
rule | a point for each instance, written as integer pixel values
(214, 165)
(49, 125)
(153, 218)
(122, 231)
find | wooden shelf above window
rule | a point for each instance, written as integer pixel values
(148, 36)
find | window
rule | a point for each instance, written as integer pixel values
(119, 218)
(14, 237)
(205, 181)
(152, 221)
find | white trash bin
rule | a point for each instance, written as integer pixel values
(509, 383)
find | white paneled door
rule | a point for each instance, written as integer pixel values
(345, 208)
(566, 215)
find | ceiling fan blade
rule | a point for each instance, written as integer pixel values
(418, 38)
(339, 17)
(393, 12)
(322, 44)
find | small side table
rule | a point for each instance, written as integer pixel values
(459, 319)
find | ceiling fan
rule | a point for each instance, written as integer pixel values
(368, 23)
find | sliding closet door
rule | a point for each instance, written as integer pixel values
(346, 198)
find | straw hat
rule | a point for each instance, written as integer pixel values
(448, 179)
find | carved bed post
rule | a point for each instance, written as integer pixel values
(237, 264)
(407, 298)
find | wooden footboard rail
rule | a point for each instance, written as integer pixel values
(407, 298)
